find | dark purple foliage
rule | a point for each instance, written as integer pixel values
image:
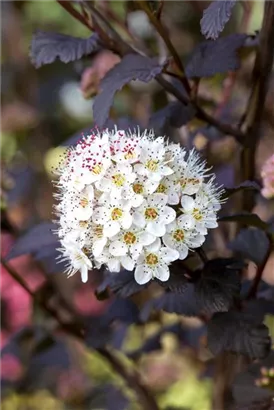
(238, 332)
(215, 17)
(46, 47)
(174, 114)
(213, 57)
(131, 67)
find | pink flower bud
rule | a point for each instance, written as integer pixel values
(267, 175)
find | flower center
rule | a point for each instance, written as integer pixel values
(152, 165)
(116, 214)
(138, 188)
(192, 181)
(98, 231)
(84, 202)
(152, 259)
(97, 169)
(129, 155)
(118, 179)
(129, 238)
(83, 224)
(151, 213)
(197, 214)
(161, 189)
(178, 235)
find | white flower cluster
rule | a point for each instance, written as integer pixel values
(133, 201)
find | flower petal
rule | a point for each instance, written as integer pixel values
(169, 214)
(126, 220)
(114, 265)
(146, 238)
(111, 228)
(98, 247)
(127, 262)
(117, 248)
(187, 203)
(186, 222)
(156, 228)
(162, 273)
(169, 255)
(183, 251)
(155, 246)
(139, 220)
(84, 274)
(142, 274)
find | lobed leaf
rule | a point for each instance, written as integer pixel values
(213, 57)
(122, 284)
(252, 244)
(171, 302)
(131, 67)
(46, 47)
(244, 389)
(219, 285)
(238, 332)
(215, 17)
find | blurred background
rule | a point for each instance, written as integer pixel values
(42, 112)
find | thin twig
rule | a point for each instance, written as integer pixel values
(17, 277)
(160, 9)
(164, 34)
(71, 10)
(254, 287)
(255, 109)
(202, 255)
(200, 113)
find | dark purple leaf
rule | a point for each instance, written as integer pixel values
(24, 180)
(123, 310)
(174, 114)
(246, 219)
(219, 284)
(46, 47)
(244, 186)
(244, 389)
(131, 67)
(252, 244)
(238, 332)
(215, 17)
(37, 237)
(213, 57)
(171, 302)
(122, 284)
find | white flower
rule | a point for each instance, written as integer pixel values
(114, 263)
(197, 215)
(125, 149)
(152, 160)
(180, 239)
(144, 186)
(77, 258)
(154, 215)
(153, 263)
(170, 187)
(113, 215)
(122, 196)
(130, 242)
(98, 239)
(192, 173)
